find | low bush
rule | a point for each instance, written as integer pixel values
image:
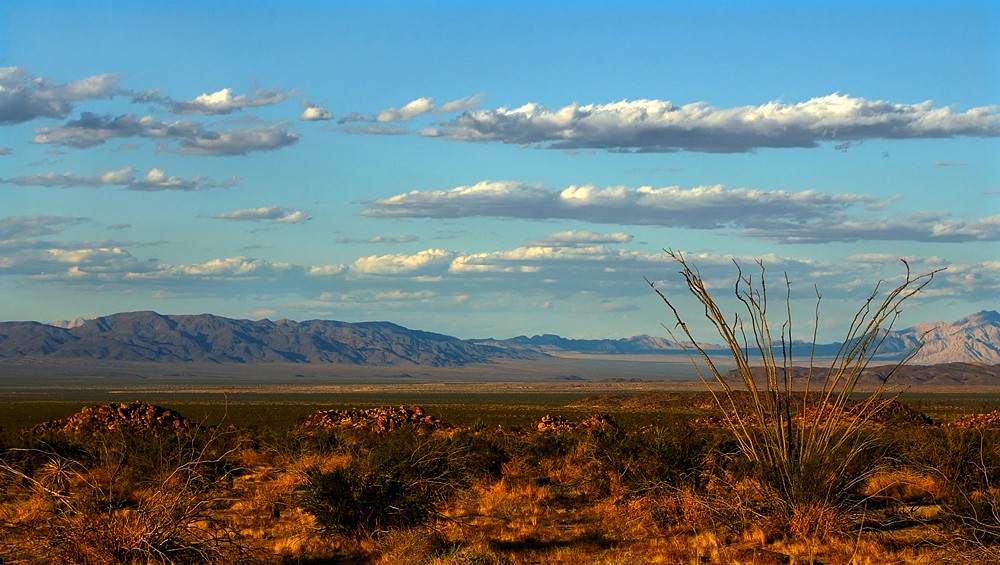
(396, 481)
(119, 497)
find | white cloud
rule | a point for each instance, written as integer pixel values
(73, 264)
(413, 109)
(193, 139)
(548, 260)
(924, 227)
(578, 238)
(408, 238)
(155, 180)
(488, 198)
(662, 126)
(92, 87)
(24, 97)
(293, 217)
(232, 266)
(460, 105)
(19, 227)
(398, 264)
(404, 295)
(326, 270)
(705, 207)
(314, 113)
(407, 112)
(275, 214)
(238, 141)
(225, 102)
(807, 216)
(90, 130)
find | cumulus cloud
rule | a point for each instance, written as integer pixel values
(925, 227)
(408, 238)
(192, 137)
(411, 110)
(487, 198)
(662, 126)
(314, 113)
(428, 260)
(24, 97)
(704, 207)
(153, 181)
(157, 179)
(225, 102)
(6, 150)
(407, 112)
(326, 270)
(231, 266)
(552, 259)
(274, 214)
(100, 264)
(69, 263)
(460, 105)
(87, 257)
(36, 225)
(90, 130)
(807, 216)
(578, 238)
(238, 141)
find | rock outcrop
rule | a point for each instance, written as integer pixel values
(136, 417)
(550, 423)
(378, 420)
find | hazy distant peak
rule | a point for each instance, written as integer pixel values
(69, 324)
(979, 318)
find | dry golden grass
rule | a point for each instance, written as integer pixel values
(514, 520)
(906, 485)
(556, 506)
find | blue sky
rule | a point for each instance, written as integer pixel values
(493, 169)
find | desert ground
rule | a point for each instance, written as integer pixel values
(572, 460)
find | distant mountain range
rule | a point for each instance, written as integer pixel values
(149, 336)
(972, 339)
(204, 338)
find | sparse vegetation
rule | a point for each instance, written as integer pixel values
(806, 439)
(580, 489)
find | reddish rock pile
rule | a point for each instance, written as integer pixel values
(989, 420)
(895, 413)
(378, 420)
(136, 417)
(550, 423)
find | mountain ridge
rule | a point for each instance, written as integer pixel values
(972, 339)
(150, 336)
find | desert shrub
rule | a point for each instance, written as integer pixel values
(395, 481)
(812, 446)
(671, 457)
(967, 461)
(550, 445)
(127, 498)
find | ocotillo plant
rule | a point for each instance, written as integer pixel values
(801, 438)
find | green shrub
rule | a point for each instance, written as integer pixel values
(674, 456)
(396, 481)
(802, 430)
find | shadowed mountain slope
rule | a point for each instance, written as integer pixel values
(972, 339)
(149, 336)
